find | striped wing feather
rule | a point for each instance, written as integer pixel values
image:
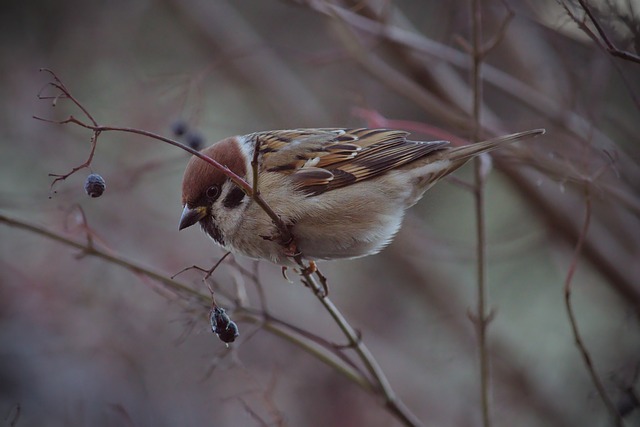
(320, 160)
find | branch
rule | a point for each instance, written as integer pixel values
(331, 355)
(319, 348)
(481, 319)
(98, 129)
(584, 352)
(608, 44)
(382, 386)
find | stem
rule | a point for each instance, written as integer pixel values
(300, 338)
(239, 181)
(393, 404)
(316, 347)
(586, 357)
(481, 318)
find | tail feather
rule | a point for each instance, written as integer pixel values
(448, 160)
(462, 154)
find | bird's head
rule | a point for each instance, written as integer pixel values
(209, 197)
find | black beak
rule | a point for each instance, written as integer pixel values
(191, 216)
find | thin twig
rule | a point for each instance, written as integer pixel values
(97, 130)
(392, 402)
(584, 352)
(317, 347)
(326, 352)
(481, 319)
(109, 256)
(608, 44)
(208, 271)
(605, 44)
(86, 164)
(58, 84)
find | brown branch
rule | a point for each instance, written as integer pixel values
(382, 385)
(285, 232)
(556, 210)
(481, 318)
(584, 352)
(608, 44)
(497, 38)
(208, 271)
(58, 84)
(321, 349)
(86, 164)
(316, 282)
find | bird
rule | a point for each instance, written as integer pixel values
(341, 192)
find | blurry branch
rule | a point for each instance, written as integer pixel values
(309, 273)
(64, 93)
(322, 350)
(499, 79)
(611, 257)
(317, 283)
(557, 211)
(584, 352)
(601, 39)
(398, 81)
(437, 293)
(89, 249)
(327, 352)
(480, 318)
(13, 416)
(224, 31)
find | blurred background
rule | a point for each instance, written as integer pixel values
(84, 341)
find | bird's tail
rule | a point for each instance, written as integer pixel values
(460, 155)
(448, 160)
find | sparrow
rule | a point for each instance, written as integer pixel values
(342, 192)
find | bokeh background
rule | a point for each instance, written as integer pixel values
(86, 342)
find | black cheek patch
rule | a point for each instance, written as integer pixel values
(211, 228)
(233, 198)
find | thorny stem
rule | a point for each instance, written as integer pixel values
(481, 318)
(586, 357)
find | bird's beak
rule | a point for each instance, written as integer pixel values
(191, 216)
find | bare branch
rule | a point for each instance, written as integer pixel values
(283, 229)
(608, 44)
(584, 352)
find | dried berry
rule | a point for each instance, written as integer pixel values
(179, 127)
(219, 320)
(195, 140)
(223, 326)
(230, 333)
(94, 185)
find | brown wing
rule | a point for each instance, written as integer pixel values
(321, 160)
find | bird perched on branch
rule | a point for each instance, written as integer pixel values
(341, 192)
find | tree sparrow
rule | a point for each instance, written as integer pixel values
(343, 192)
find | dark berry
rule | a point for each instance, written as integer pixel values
(179, 127)
(230, 333)
(219, 320)
(223, 326)
(94, 185)
(195, 140)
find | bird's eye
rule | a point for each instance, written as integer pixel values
(213, 192)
